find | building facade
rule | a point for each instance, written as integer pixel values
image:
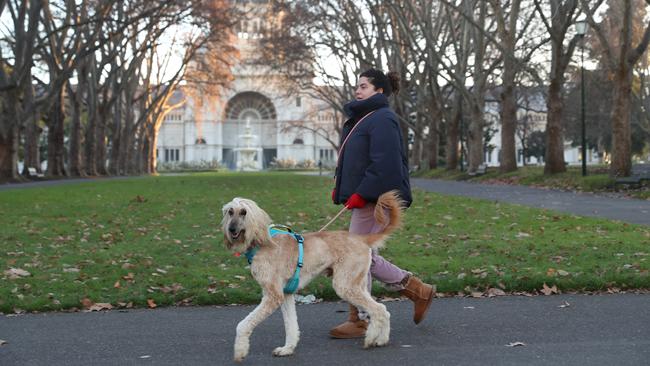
(257, 113)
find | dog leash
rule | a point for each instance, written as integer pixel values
(332, 220)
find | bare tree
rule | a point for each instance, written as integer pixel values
(557, 16)
(619, 56)
(16, 80)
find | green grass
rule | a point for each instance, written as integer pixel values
(596, 180)
(158, 238)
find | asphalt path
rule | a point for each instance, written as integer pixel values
(582, 204)
(552, 330)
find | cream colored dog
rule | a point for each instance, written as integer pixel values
(245, 226)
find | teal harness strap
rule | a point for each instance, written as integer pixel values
(250, 253)
(292, 284)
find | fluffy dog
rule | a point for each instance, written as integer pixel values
(245, 225)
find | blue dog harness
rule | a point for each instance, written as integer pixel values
(274, 230)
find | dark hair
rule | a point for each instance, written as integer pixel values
(388, 82)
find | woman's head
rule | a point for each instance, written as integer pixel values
(373, 81)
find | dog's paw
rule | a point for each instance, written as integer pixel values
(283, 351)
(239, 356)
(378, 341)
(241, 351)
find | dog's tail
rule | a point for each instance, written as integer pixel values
(391, 202)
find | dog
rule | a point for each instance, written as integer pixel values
(346, 256)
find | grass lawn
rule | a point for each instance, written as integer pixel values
(156, 240)
(597, 179)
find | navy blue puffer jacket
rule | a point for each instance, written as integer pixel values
(373, 160)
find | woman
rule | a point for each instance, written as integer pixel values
(372, 160)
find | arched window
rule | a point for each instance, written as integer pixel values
(200, 141)
(250, 105)
(298, 141)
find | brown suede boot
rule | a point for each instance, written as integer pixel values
(352, 328)
(420, 293)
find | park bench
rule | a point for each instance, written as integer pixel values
(633, 181)
(482, 169)
(33, 173)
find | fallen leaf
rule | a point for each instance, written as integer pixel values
(139, 199)
(117, 284)
(86, 302)
(2, 342)
(151, 304)
(564, 305)
(562, 272)
(495, 292)
(100, 306)
(516, 344)
(549, 290)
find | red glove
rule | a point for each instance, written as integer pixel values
(355, 201)
(333, 194)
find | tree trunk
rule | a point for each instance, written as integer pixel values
(150, 151)
(434, 135)
(76, 169)
(508, 120)
(621, 130)
(475, 137)
(8, 143)
(554, 155)
(32, 133)
(453, 134)
(126, 146)
(116, 137)
(434, 145)
(100, 144)
(55, 138)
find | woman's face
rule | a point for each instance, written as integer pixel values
(365, 89)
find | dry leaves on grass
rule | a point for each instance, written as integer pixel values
(151, 304)
(14, 273)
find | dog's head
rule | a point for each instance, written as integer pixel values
(244, 222)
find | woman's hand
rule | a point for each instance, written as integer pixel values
(355, 201)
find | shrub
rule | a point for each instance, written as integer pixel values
(202, 165)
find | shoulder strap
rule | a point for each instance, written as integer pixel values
(338, 160)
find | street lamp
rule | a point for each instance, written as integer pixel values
(581, 30)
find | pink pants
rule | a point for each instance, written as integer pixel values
(363, 222)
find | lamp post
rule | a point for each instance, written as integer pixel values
(581, 30)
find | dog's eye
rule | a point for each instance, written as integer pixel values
(242, 212)
(231, 212)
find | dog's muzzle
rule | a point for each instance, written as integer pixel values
(234, 232)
